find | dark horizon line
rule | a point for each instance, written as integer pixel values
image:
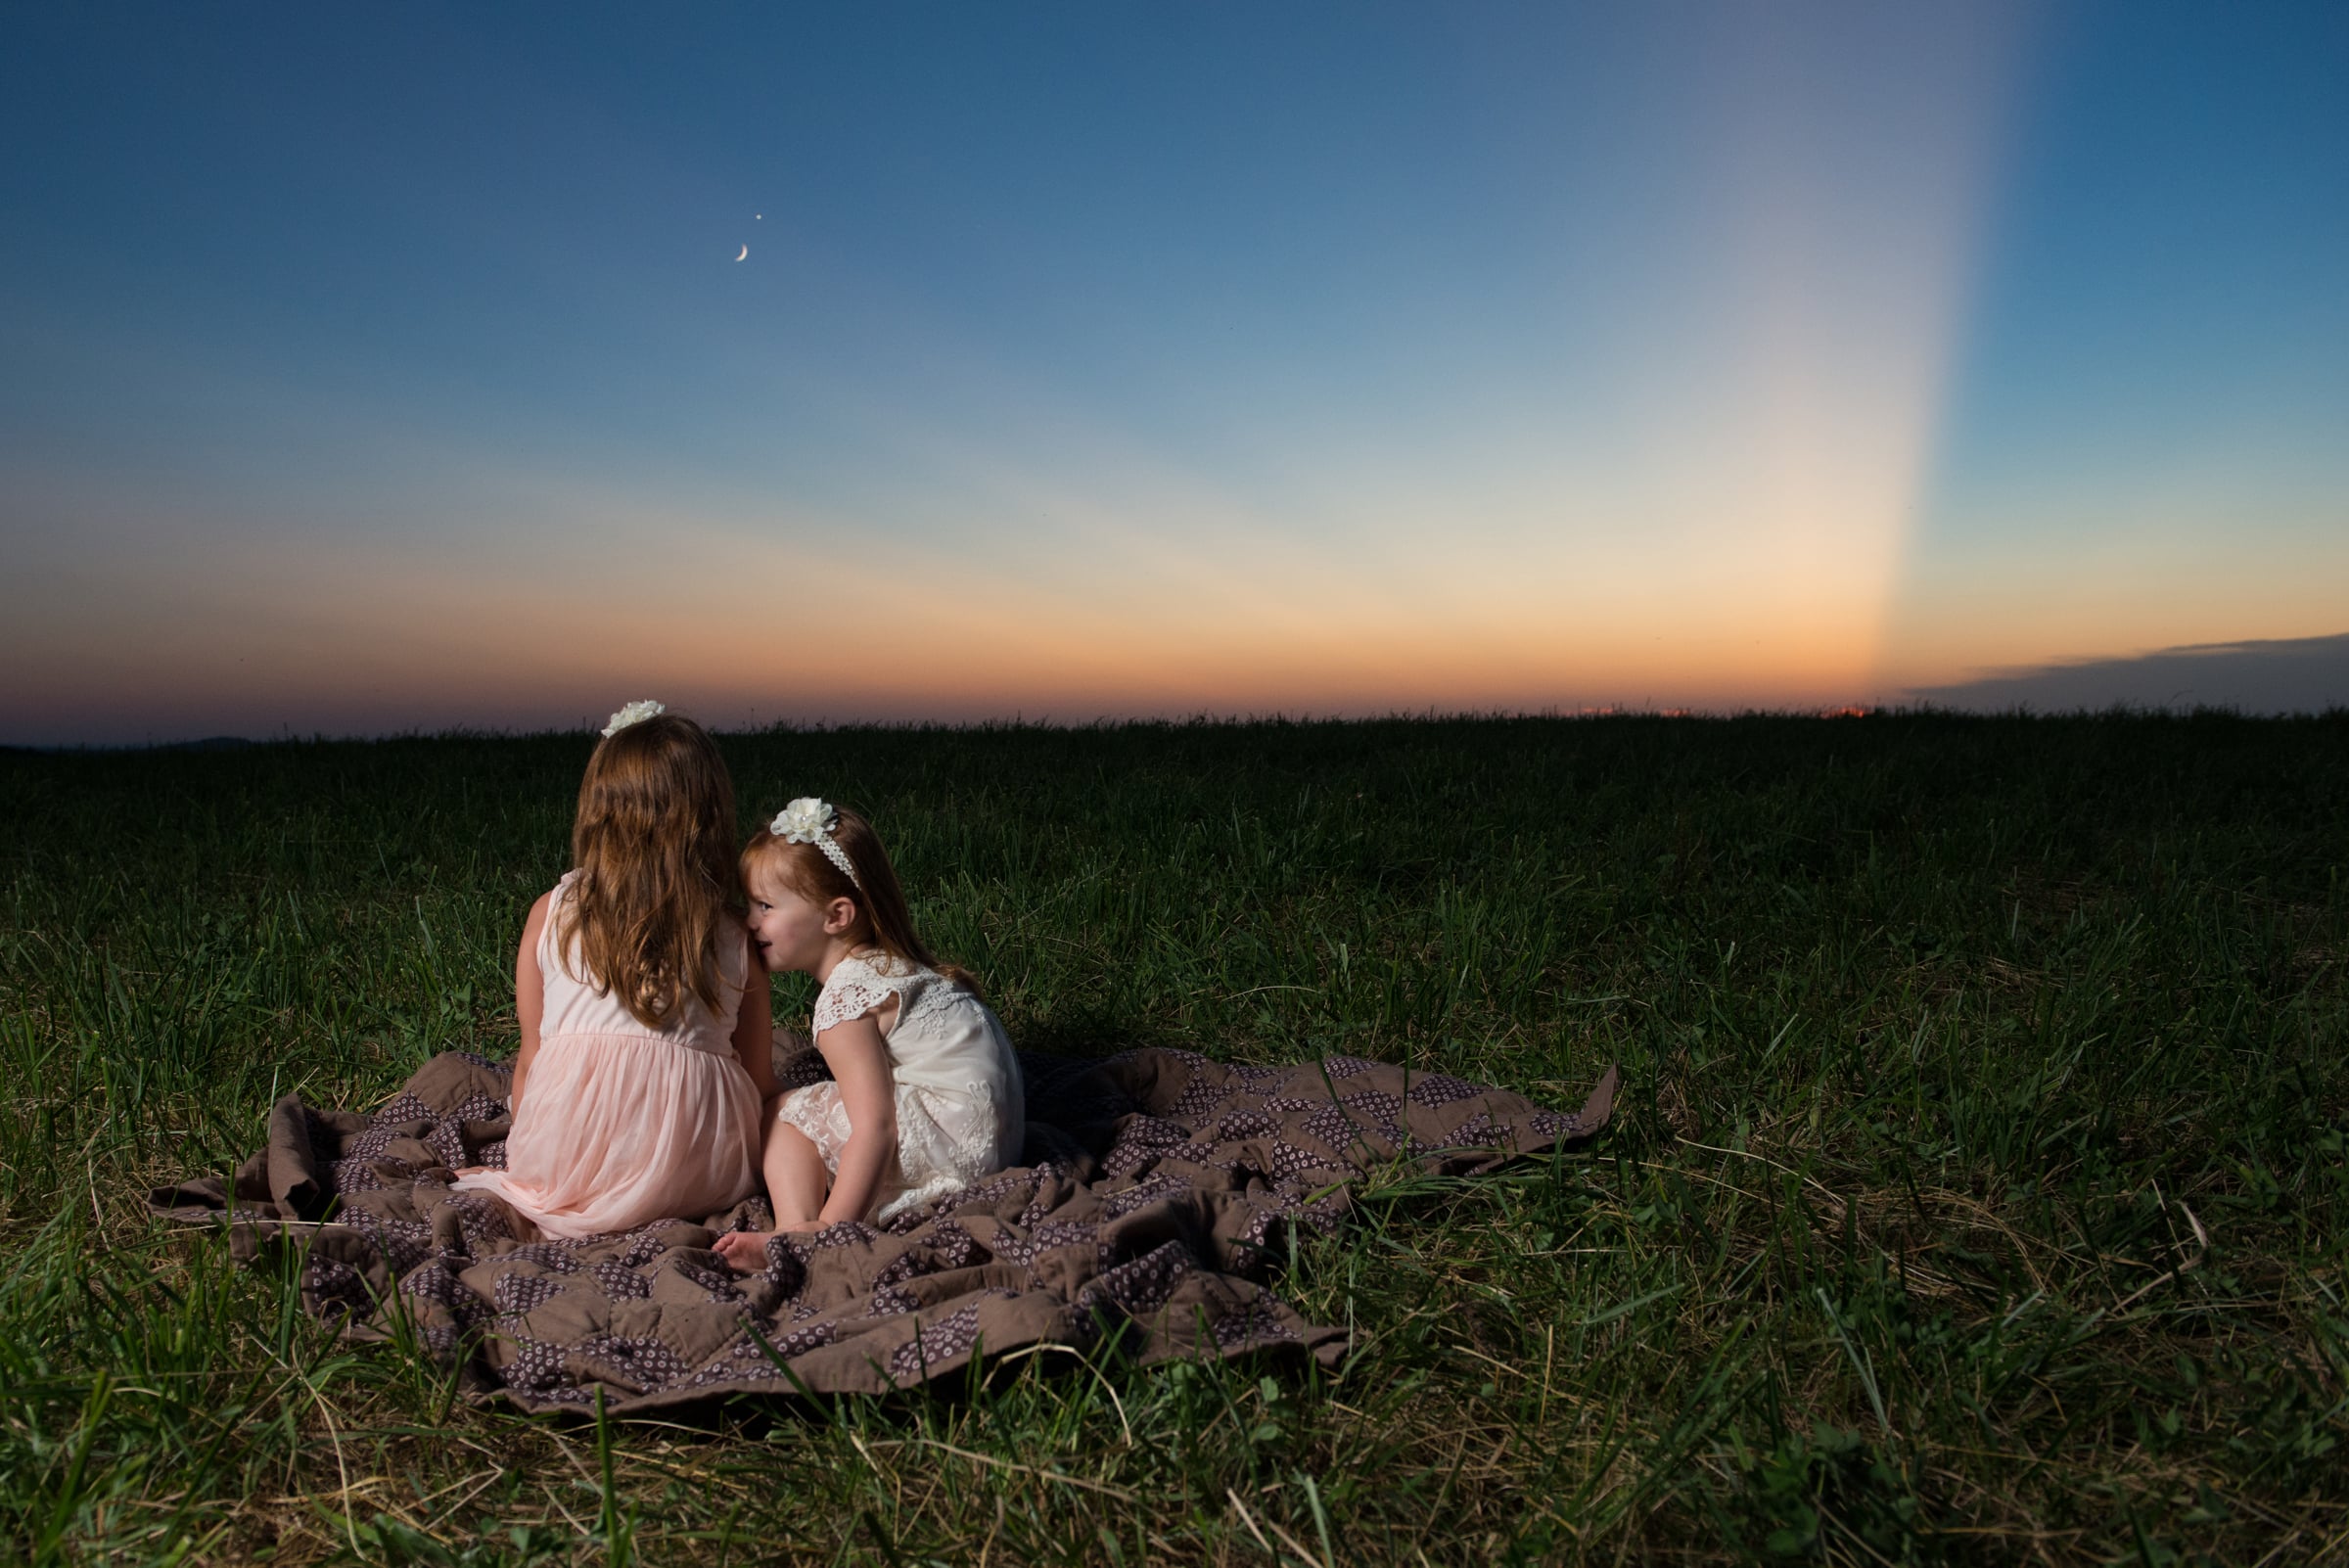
(2117, 710)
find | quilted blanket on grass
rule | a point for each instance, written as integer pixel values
(1155, 1200)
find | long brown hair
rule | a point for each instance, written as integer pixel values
(882, 920)
(653, 842)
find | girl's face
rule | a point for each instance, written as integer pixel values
(793, 930)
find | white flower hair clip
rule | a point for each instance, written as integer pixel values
(635, 712)
(808, 820)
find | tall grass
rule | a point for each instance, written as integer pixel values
(1980, 1193)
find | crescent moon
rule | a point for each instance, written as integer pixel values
(746, 250)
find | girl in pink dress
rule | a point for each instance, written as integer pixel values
(645, 1062)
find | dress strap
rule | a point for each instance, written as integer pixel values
(551, 933)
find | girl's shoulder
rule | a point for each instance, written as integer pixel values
(862, 982)
(548, 916)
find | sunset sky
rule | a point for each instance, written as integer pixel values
(376, 368)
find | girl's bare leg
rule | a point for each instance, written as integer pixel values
(797, 1183)
(796, 1179)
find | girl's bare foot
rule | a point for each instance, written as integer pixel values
(745, 1251)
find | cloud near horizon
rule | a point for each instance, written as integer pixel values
(2279, 676)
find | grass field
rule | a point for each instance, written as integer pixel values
(1979, 1195)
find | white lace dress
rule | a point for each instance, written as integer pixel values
(962, 1108)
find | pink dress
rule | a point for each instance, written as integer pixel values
(621, 1123)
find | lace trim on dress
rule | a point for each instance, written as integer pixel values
(945, 1142)
(840, 1003)
(860, 985)
(937, 995)
(817, 1112)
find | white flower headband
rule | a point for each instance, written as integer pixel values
(808, 820)
(635, 712)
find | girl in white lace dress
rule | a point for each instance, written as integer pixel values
(925, 1096)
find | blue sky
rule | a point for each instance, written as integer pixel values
(380, 368)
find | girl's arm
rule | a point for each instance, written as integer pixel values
(860, 1064)
(755, 1033)
(529, 998)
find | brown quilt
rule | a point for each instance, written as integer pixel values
(1159, 1187)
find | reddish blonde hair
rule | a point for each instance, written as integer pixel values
(653, 841)
(882, 919)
